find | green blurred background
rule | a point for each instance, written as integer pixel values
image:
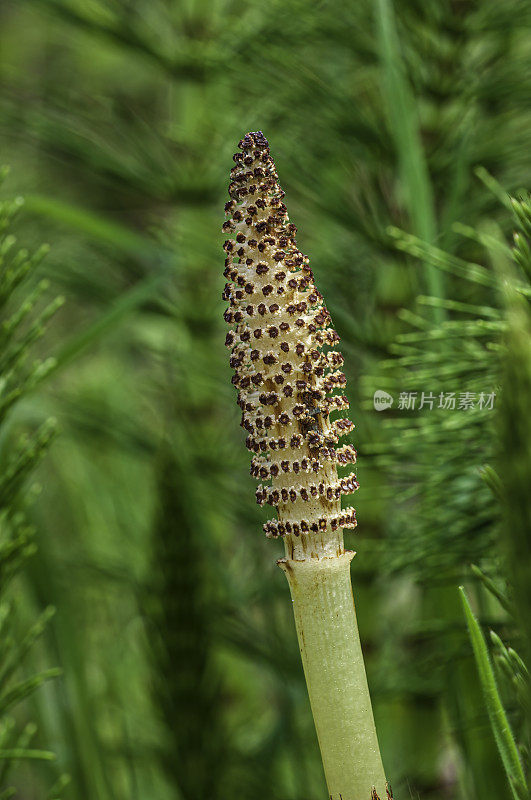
(173, 627)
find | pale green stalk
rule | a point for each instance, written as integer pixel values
(329, 642)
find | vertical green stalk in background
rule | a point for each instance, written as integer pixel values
(497, 716)
(405, 131)
(185, 681)
(285, 382)
(515, 424)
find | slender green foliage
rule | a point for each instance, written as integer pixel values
(490, 347)
(21, 325)
(498, 717)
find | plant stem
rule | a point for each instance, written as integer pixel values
(330, 647)
(285, 390)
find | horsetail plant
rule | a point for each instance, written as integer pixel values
(287, 377)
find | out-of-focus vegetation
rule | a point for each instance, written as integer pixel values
(22, 445)
(398, 131)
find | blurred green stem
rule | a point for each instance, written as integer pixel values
(498, 718)
(330, 647)
(405, 130)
